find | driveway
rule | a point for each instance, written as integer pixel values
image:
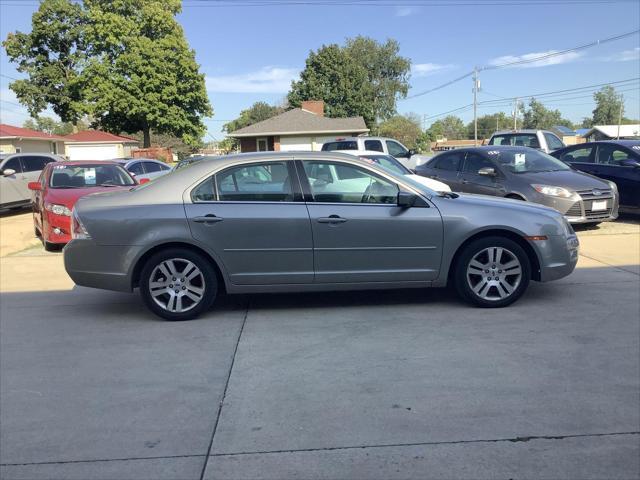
(393, 384)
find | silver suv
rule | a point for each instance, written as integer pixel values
(539, 139)
(16, 171)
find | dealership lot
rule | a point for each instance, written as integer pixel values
(393, 384)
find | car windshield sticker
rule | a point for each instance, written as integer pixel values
(90, 176)
(519, 159)
(636, 147)
(60, 167)
(493, 152)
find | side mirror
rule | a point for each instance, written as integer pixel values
(35, 186)
(411, 153)
(142, 181)
(7, 172)
(406, 199)
(487, 172)
(629, 162)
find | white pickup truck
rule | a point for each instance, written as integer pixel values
(539, 139)
(408, 158)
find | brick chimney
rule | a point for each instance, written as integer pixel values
(314, 106)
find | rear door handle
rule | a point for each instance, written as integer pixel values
(210, 218)
(332, 219)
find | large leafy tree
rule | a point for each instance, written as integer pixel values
(450, 127)
(487, 124)
(257, 112)
(52, 56)
(53, 127)
(404, 128)
(387, 72)
(141, 74)
(538, 116)
(608, 106)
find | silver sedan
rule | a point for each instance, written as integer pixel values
(292, 222)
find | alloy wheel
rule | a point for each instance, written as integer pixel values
(494, 273)
(177, 285)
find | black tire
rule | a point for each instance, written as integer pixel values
(51, 247)
(492, 295)
(208, 281)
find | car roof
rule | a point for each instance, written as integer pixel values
(489, 148)
(515, 132)
(357, 153)
(87, 162)
(625, 143)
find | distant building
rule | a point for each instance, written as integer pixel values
(304, 128)
(443, 144)
(98, 145)
(611, 132)
(567, 135)
(24, 140)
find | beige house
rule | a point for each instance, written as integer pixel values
(97, 145)
(23, 140)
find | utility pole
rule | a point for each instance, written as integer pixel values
(476, 85)
(620, 116)
(515, 113)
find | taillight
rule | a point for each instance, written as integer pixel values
(77, 228)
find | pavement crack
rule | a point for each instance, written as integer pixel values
(97, 460)
(417, 444)
(226, 386)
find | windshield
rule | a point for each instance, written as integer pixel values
(90, 175)
(527, 161)
(388, 162)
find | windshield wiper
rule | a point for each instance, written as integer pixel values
(107, 185)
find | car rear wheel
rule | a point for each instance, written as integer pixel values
(178, 284)
(492, 272)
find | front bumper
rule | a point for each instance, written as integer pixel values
(559, 256)
(58, 228)
(584, 210)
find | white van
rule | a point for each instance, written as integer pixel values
(392, 147)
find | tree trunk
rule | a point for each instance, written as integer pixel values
(146, 143)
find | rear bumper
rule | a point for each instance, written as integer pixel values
(99, 266)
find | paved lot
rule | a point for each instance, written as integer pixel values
(394, 384)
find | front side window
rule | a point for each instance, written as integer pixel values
(266, 182)
(33, 164)
(151, 167)
(373, 145)
(449, 161)
(553, 142)
(343, 183)
(474, 162)
(396, 149)
(89, 175)
(582, 155)
(611, 155)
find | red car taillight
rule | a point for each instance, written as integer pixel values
(77, 228)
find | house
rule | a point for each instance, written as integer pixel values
(98, 145)
(304, 128)
(567, 135)
(612, 132)
(23, 140)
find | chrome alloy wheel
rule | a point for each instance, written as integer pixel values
(177, 285)
(494, 273)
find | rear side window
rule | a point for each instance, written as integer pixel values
(553, 142)
(269, 182)
(611, 155)
(450, 161)
(136, 168)
(13, 164)
(344, 145)
(33, 163)
(582, 155)
(373, 145)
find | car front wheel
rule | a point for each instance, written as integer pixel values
(178, 284)
(492, 272)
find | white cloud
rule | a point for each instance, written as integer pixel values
(426, 69)
(405, 11)
(265, 80)
(553, 60)
(624, 56)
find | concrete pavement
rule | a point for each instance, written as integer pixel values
(393, 384)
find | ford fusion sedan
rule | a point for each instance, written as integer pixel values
(271, 222)
(60, 185)
(522, 173)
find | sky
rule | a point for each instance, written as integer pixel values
(251, 53)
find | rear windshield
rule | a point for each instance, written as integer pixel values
(344, 145)
(516, 140)
(90, 175)
(527, 161)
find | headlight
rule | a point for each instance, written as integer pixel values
(553, 191)
(614, 187)
(58, 209)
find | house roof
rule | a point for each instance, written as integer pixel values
(97, 136)
(611, 131)
(9, 131)
(299, 121)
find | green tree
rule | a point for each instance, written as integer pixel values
(450, 127)
(387, 72)
(257, 112)
(487, 124)
(538, 116)
(609, 106)
(141, 74)
(176, 144)
(53, 127)
(52, 56)
(404, 128)
(332, 75)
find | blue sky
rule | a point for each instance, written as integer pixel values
(253, 53)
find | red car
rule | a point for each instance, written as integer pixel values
(60, 185)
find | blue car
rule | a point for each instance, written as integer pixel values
(614, 160)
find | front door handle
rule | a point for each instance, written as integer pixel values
(209, 218)
(332, 219)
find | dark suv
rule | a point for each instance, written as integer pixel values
(524, 173)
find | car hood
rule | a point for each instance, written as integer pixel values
(69, 196)
(508, 203)
(570, 179)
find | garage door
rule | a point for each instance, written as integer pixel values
(92, 152)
